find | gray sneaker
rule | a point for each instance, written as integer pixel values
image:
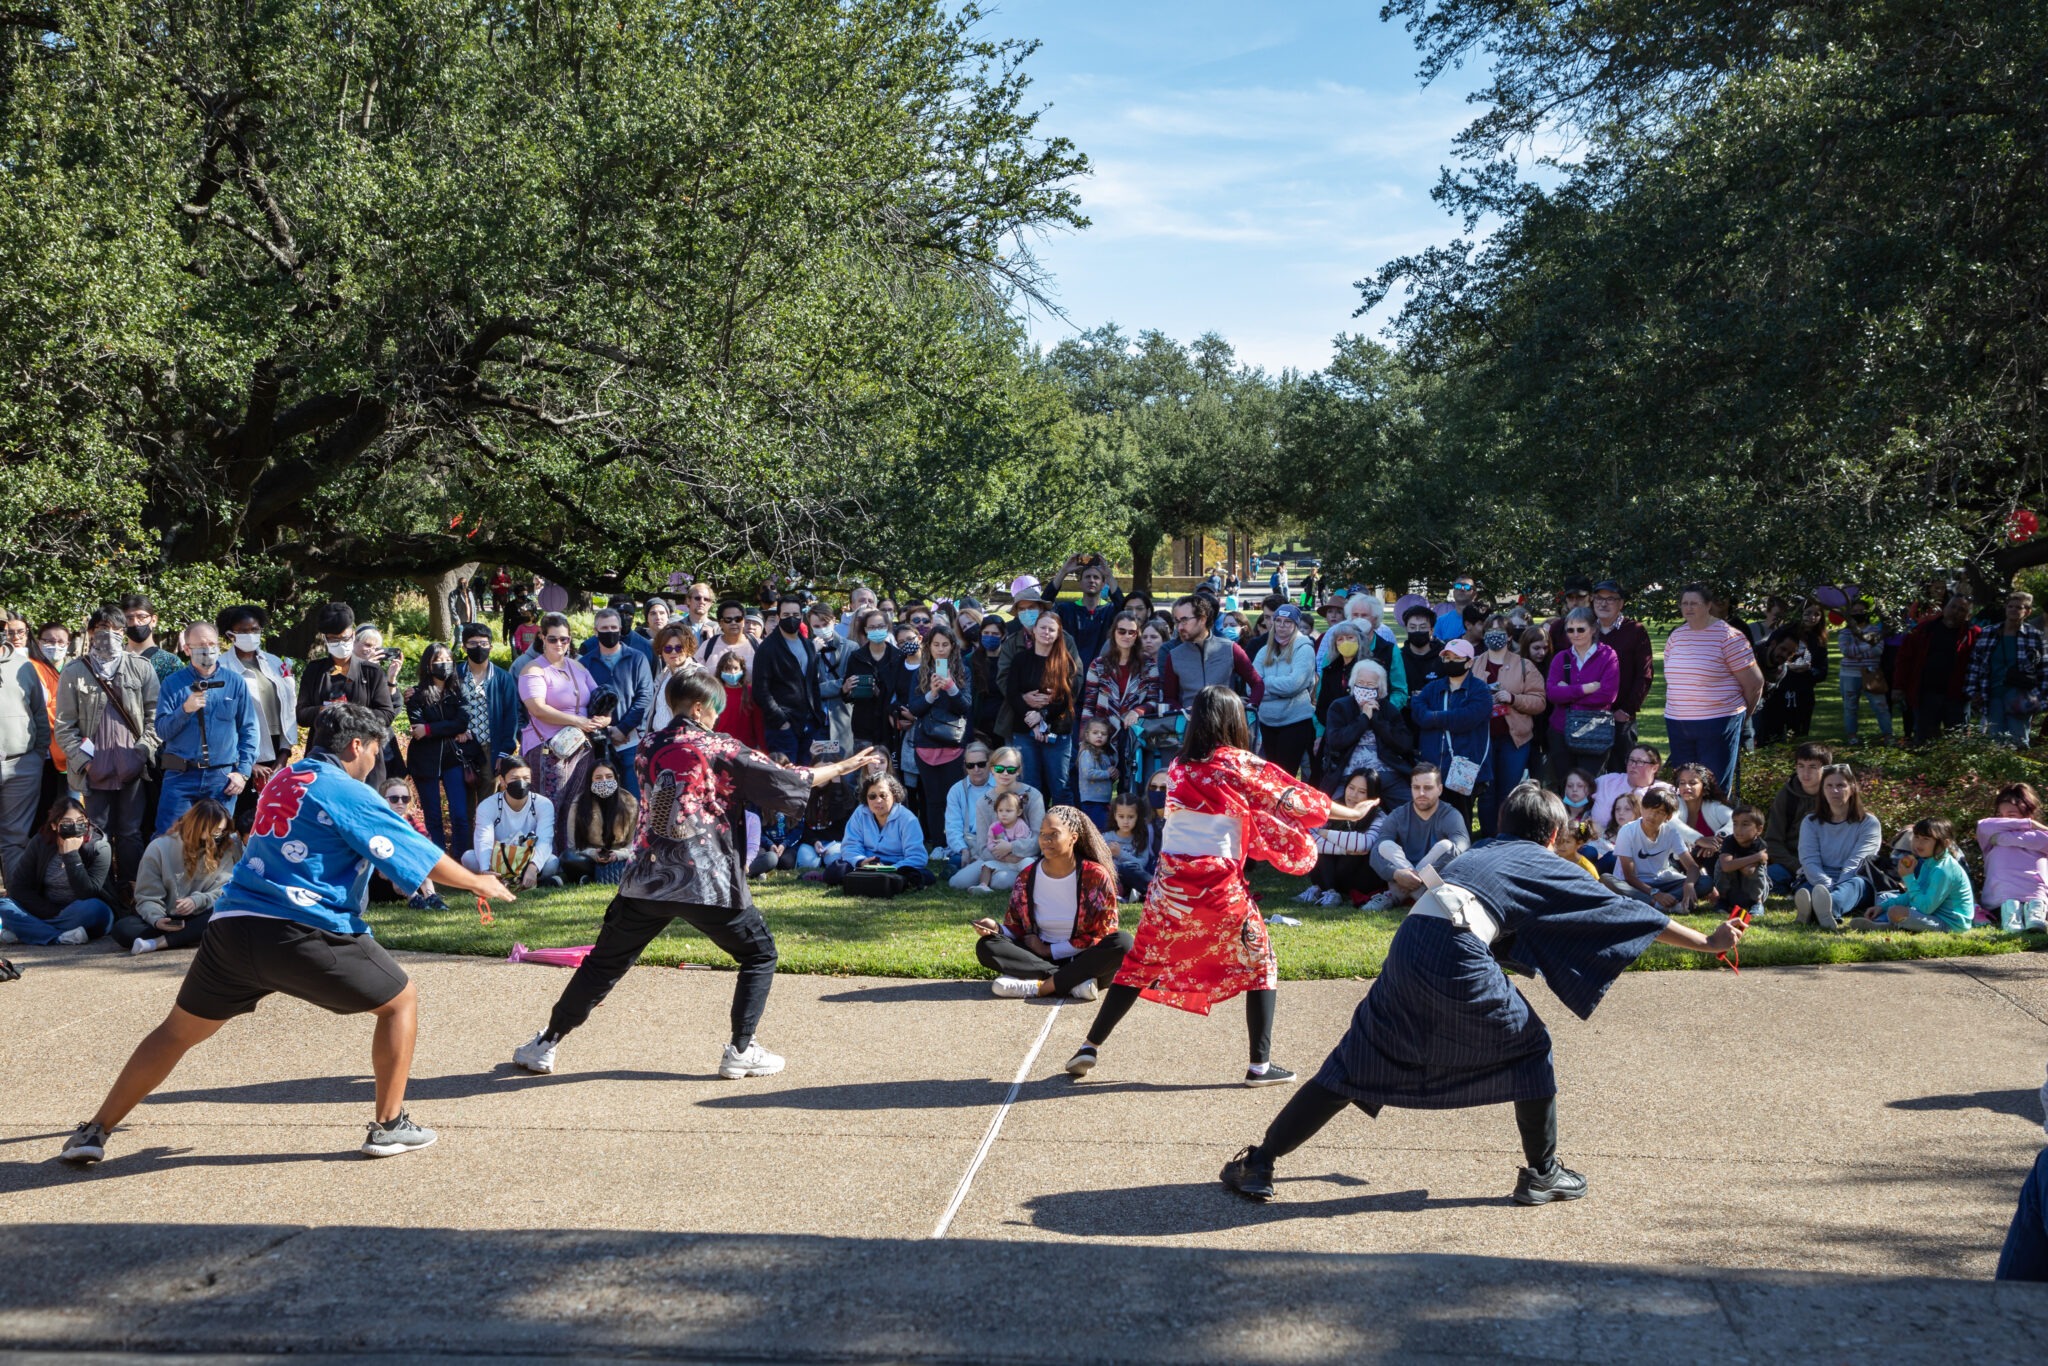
(400, 1135)
(87, 1144)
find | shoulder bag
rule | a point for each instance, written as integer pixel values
(112, 770)
(1587, 730)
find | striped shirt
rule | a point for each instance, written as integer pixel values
(1700, 669)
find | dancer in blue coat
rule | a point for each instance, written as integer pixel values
(1442, 1027)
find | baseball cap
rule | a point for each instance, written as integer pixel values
(1457, 649)
(1288, 611)
(1609, 586)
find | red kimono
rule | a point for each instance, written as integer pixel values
(1202, 940)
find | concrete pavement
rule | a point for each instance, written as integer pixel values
(1793, 1164)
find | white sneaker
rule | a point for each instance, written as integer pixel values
(1823, 902)
(755, 1062)
(1085, 990)
(1310, 895)
(142, 946)
(76, 935)
(537, 1054)
(981, 888)
(1802, 904)
(1379, 901)
(1015, 988)
(1330, 898)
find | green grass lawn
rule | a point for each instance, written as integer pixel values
(926, 934)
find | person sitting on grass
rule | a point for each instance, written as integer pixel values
(398, 796)
(1575, 836)
(1742, 869)
(1007, 828)
(1646, 849)
(883, 834)
(1008, 856)
(2015, 846)
(1424, 833)
(62, 888)
(1340, 878)
(182, 874)
(515, 831)
(604, 820)
(1059, 936)
(1130, 842)
(1834, 844)
(1937, 897)
(1795, 801)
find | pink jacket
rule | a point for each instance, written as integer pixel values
(1566, 684)
(2015, 860)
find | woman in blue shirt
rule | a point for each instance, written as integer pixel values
(883, 834)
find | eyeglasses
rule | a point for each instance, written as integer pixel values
(1639, 761)
(556, 640)
(398, 798)
(973, 767)
(1004, 768)
(1578, 630)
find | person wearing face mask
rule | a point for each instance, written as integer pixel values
(439, 727)
(1287, 664)
(788, 684)
(1028, 602)
(1453, 716)
(870, 681)
(271, 684)
(51, 653)
(207, 721)
(491, 697)
(984, 659)
(1518, 699)
(602, 823)
(1366, 733)
(515, 831)
(62, 887)
(340, 675)
(616, 665)
(106, 723)
(687, 866)
(1417, 661)
(24, 742)
(738, 717)
(139, 631)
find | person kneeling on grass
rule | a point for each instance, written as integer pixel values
(1937, 898)
(1059, 936)
(884, 835)
(291, 921)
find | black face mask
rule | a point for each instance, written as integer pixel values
(441, 672)
(140, 633)
(1455, 668)
(478, 654)
(518, 787)
(788, 626)
(609, 639)
(71, 830)
(1418, 639)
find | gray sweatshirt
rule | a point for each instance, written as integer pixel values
(1832, 850)
(160, 878)
(1415, 836)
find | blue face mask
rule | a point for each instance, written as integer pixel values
(991, 642)
(1227, 632)
(1028, 618)
(878, 636)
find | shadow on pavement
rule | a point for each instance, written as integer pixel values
(2022, 1104)
(1168, 1211)
(426, 1293)
(362, 1090)
(962, 989)
(939, 1094)
(34, 1174)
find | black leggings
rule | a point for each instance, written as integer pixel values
(1258, 1018)
(1098, 962)
(1315, 1105)
(631, 924)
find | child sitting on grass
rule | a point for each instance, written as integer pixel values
(1601, 850)
(1741, 872)
(1571, 844)
(1937, 898)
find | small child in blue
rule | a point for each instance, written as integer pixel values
(1096, 772)
(290, 920)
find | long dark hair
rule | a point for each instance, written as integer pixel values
(1058, 677)
(1134, 658)
(428, 657)
(1215, 721)
(1089, 845)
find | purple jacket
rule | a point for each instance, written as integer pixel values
(1566, 683)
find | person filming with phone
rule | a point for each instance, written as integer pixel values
(206, 718)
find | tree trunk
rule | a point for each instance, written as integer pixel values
(1991, 579)
(1144, 542)
(441, 623)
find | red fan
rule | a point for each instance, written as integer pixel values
(2021, 526)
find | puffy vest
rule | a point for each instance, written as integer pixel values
(1197, 667)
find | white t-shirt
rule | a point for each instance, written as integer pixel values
(1059, 903)
(1652, 858)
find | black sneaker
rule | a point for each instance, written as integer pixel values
(1249, 1177)
(1540, 1188)
(87, 1144)
(398, 1136)
(1274, 1075)
(1083, 1062)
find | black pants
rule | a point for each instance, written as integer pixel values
(122, 813)
(934, 784)
(1935, 713)
(1346, 873)
(1617, 755)
(129, 928)
(631, 924)
(1313, 1106)
(1258, 1018)
(1099, 961)
(1563, 761)
(1286, 746)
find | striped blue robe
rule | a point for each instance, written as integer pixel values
(1442, 1027)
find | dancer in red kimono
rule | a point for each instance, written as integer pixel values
(1202, 939)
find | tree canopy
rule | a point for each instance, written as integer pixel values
(298, 293)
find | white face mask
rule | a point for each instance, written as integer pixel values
(248, 642)
(1365, 695)
(604, 787)
(53, 653)
(341, 649)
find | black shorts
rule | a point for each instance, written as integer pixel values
(244, 958)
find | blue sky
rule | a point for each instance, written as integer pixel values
(1251, 161)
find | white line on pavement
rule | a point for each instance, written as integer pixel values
(995, 1126)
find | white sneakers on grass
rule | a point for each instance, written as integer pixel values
(1816, 904)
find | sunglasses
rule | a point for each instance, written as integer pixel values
(920, 621)
(556, 640)
(730, 621)
(973, 767)
(399, 799)
(1127, 631)
(675, 649)
(1578, 630)
(1005, 768)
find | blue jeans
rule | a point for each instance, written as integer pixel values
(182, 790)
(1849, 893)
(455, 786)
(1715, 742)
(1853, 694)
(95, 915)
(1781, 877)
(1048, 766)
(794, 742)
(629, 770)
(2025, 1257)
(2001, 724)
(1505, 764)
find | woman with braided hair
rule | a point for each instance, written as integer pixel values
(1202, 940)
(1059, 936)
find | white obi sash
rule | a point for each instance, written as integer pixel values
(1195, 834)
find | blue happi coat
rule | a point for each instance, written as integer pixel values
(1442, 1027)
